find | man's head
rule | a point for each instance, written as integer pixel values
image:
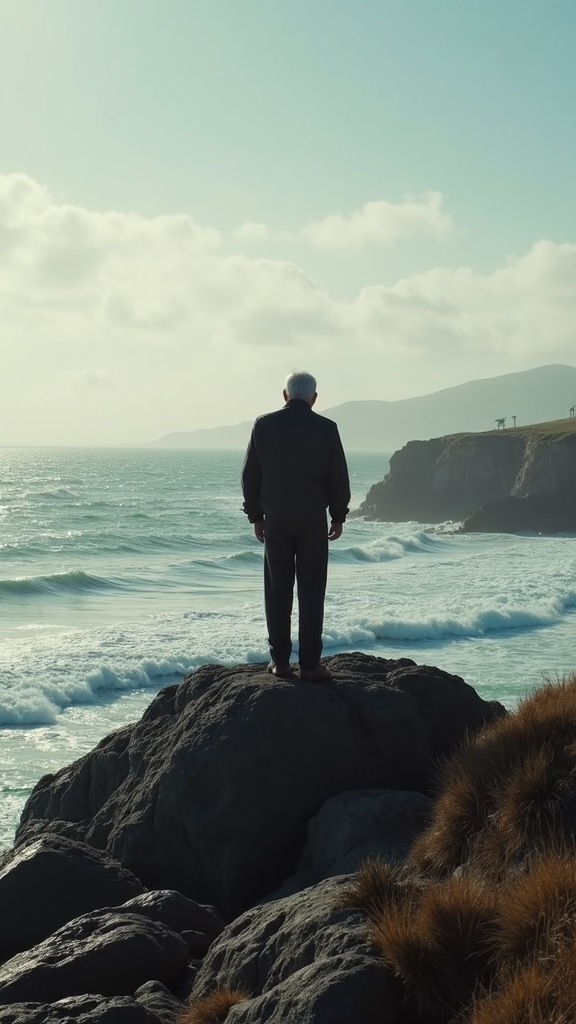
(300, 384)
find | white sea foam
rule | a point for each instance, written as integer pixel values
(87, 666)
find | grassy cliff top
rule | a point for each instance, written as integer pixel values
(553, 429)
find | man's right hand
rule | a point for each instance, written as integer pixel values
(335, 531)
(259, 530)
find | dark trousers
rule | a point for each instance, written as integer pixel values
(295, 550)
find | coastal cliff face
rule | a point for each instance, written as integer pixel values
(452, 477)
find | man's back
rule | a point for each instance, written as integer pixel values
(295, 465)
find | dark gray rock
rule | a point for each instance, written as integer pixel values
(51, 881)
(354, 826)
(211, 791)
(445, 477)
(524, 477)
(87, 1009)
(370, 822)
(177, 912)
(302, 959)
(535, 513)
(105, 951)
(159, 1000)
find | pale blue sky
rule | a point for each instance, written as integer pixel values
(284, 112)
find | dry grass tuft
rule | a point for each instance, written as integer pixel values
(213, 1009)
(527, 997)
(377, 885)
(404, 949)
(462, 811)
(538, 909)
(506, 792)
(440, 943)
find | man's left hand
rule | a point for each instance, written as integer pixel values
(335, 531)
(259, 530)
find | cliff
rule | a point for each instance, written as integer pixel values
(527, 475)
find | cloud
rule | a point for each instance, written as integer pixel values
(381, 223)
(188, 335)
(252, 231)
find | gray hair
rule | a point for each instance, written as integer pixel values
(300, 384)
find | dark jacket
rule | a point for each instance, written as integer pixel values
(295, 466)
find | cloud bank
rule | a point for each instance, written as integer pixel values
(120, 327)
(382, 223)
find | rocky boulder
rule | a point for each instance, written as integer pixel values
(217, 782)
(106, 952)
(534, 513)
(90, 1009)
(51, 881)
(303, 958)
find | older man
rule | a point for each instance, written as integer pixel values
(295, 469)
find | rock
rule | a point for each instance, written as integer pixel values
(84, 1010)
(159, 1000)
(177, 912)
(451, 477)
(370, 822)
(354, 826)
(445, 478)
(51, 881)
(538, 513)
(215, 785)
(105, 951)
(302, 959)
(87, 1009)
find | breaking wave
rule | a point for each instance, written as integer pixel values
(55, 583)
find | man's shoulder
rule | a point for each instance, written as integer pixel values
(314, 420)
(327, 423)
(267, 417)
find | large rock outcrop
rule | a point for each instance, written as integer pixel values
(51, 880)
(305, 959)
(211, 792)
(451, 477)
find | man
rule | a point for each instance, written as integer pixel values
(294, 469)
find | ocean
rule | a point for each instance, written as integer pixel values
(123, 569)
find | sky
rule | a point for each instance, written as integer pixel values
(199, 196)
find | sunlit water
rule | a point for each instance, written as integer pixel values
(120, 570)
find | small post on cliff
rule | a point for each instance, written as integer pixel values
(572, 411)
(514, 418)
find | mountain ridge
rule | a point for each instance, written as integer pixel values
(537, 395)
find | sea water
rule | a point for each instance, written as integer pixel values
(123, 569)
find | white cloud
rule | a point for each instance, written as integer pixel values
(188, 336)
(252, 231)
(381, 223)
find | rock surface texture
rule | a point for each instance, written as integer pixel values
(301, 959)
(52, 880)
(211, 792)
(452, 477)
(106, 952)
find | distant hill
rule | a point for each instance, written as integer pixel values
(533, 396)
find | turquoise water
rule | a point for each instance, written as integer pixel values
(122, 569)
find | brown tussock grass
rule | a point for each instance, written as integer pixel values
(527, 998)
(538, 909)
(213, 1009)
(377, 884)
(529, 995)
(504, 793)
(440, 943)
